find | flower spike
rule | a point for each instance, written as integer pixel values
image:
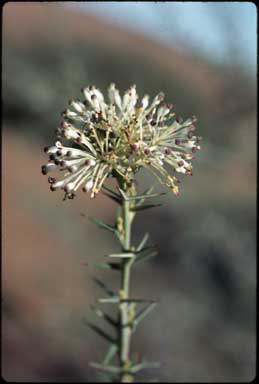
(97, 139)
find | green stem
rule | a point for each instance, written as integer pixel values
(127, 319)
(124, 308)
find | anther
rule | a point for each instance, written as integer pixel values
(161, 96)
(88, 186)
(79, 140)
(51, 180)
(91, 162)
(64, 124)
(112, 135)
(63, 163)
(134, 147)
(44, 170)
(68, 188)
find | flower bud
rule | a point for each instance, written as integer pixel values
(69, 187)
(90, 162)
(135, 147)
(51, 180)
(88, 186)
(144, 102)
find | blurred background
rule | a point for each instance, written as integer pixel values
(203, 56)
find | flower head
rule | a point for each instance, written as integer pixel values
(98, 139)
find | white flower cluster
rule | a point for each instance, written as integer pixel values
(118, 138)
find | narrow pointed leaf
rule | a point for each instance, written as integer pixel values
(143, 313)
(143, 197)
(133, 301)
(146, 254)
(122, 255)
(115, 194)
(144, 207)
(114, 198)
(106, 368)
(143, 242)
(116, 300)
(99, 331)
(101, 224)
(148, 191)
(110, 354)
(111, 300)
(103, 286)
(146, 195)
(104, 316)
(123, 194)
(145, 251)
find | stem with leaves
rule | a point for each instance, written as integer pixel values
(118, 364)
(126, 309)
